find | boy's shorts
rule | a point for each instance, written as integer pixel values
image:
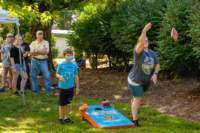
(138, 90)
(66, 96)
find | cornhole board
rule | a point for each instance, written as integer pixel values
(105, 117)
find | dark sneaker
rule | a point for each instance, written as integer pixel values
(136, 123)
(61, 121)
(68, 120)
(16, 93)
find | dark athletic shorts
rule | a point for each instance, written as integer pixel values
(138, 90)
(66, 96)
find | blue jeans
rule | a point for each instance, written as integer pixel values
(36, 67)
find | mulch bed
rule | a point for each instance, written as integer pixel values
(175, 97)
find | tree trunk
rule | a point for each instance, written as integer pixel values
(109, 61)
(48, 36)
(96, 60)
(126, 64)
(32, 31)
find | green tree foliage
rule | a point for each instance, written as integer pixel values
(37, 14)
(176, 57)
(194, 32)
(112, 27)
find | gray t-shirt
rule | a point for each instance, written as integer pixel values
(144, 64)
(6, 55)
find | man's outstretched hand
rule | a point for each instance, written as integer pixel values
(147, 27)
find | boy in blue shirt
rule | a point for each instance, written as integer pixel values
(67, 75)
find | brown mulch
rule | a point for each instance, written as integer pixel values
(176, 97)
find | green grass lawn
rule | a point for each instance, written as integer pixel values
(39, 115)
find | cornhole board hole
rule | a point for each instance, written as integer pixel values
(105, 117)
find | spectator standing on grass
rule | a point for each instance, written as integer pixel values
(18, 65)
(5, 56)
(39, 50)
(146, 67)
(26, 50)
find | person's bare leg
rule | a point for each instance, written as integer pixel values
(4, 76)
(23, 81)
(135, 106)
(67, 111)
(10, 77)
(61, 112)
(14, 81)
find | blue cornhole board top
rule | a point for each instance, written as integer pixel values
(107, 116)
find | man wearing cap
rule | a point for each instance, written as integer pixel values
(39, 50)
(5, 55)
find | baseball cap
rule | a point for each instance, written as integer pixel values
(10, 35)
(39, 32)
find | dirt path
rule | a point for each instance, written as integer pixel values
(178, 97)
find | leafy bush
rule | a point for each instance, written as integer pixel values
(194, 33)
(113, 27)
(176, 57)
(53, 48)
